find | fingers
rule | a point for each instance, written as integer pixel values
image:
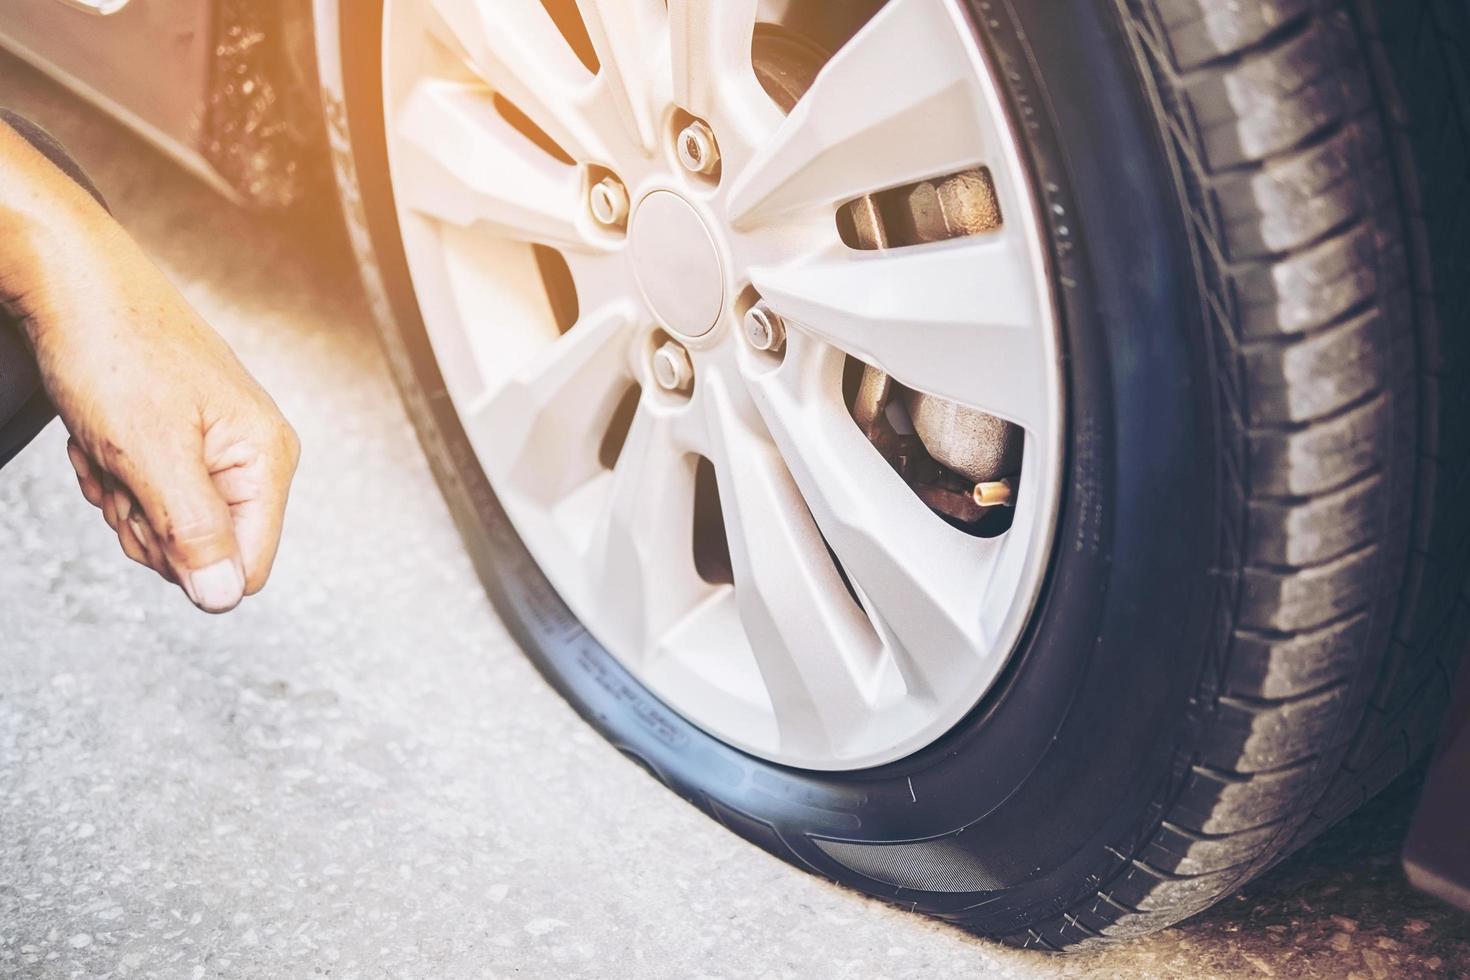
(137, 525)
(109, 506)
(137, 538)
(191, 525)
(257, 493)
(223, 528)
(131, 546)
(133, 532)
(87, 475)
(121, 512)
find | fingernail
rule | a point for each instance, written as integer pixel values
(218, 588)
(124, 505)
(78, 461)
(140, 530)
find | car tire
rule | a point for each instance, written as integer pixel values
(1256, 596)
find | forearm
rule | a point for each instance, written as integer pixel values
(51, 228)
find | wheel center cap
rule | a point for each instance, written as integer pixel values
(677, 264)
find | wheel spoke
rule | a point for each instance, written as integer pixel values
(899, 103)
(600, 279)
(461, 163)
(641, 559)
(711, 46)
(857, 625)
(815, 649)
(925, 580)
(518, 50)
(960, 320)
(540, 432)
(623, 33)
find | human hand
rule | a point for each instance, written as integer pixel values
(188, 458)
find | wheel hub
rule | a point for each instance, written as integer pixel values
(677, 264)
(706, 500)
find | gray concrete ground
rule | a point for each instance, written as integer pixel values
(357, 775)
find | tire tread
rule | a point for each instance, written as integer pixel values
(1351, 601)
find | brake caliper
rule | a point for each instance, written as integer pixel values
(961, 462)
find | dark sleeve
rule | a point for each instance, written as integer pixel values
(52, 150)
(24, 408)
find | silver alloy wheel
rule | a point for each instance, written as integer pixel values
(784, 661)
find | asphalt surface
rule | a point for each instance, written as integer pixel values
(357, 775)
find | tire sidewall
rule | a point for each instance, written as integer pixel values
(1062, 762)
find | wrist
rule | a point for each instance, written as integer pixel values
(51, 230)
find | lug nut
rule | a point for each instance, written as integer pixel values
(672, 368)
(609, 202)
(698, 151)
(764, 328)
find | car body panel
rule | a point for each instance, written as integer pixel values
(1437, 854)
(149, 57)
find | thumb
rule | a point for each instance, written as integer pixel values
(193, 526)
